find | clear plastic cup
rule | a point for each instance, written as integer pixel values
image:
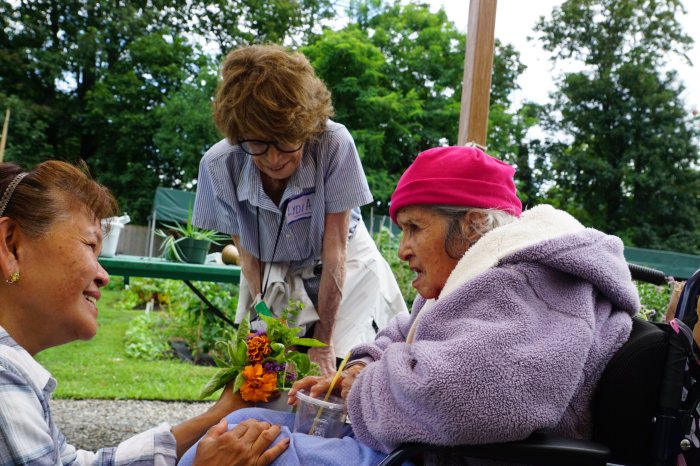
(317, 417)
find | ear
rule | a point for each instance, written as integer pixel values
(9, 236)
(472, 225)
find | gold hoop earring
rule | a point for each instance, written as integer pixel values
(14, 278)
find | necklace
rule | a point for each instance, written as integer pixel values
(261, 265)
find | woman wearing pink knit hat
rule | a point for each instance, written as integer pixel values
(517, 315)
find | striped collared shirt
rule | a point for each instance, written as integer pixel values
(28, 434)
(329, 179)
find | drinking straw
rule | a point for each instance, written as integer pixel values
(330, 389)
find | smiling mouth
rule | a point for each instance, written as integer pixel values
(91, 299)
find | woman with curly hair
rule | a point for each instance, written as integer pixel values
(286, 183)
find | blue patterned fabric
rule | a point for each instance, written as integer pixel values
(306, 450)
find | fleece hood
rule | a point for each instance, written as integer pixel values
(554, 239)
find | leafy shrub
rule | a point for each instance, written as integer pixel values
(194, 323)
(116, 283)
(182, 316)
(147, 337)
(654, 300)
(142, 290)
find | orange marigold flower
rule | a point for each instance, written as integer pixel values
(258, 348)
(258, 385)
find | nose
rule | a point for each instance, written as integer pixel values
(404, 249)
(102, 277)
(273, 155)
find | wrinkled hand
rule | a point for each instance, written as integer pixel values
(324, 356)
(349, 376)
(244, 445)
(314, 385)
(317, 386)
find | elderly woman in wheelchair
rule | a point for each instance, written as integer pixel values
(518, 314)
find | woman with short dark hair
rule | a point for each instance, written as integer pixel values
(50, 240)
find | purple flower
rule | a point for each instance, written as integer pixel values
(272, 367)
(291, 373)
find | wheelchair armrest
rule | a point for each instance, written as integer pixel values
(537, 449)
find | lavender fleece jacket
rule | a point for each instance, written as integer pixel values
(515, 343)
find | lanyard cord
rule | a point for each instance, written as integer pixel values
(261, 266)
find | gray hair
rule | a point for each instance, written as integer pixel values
(456, 241)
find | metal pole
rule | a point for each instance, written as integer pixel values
(3, 140)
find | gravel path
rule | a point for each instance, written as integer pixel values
(93, 424)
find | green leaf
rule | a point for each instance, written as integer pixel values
(220, 379)
(241, 356)
(243, 329)
(231, 351)
(307, 342)
(218, 361)
(301, 362)
(277, 348)
(238, 382)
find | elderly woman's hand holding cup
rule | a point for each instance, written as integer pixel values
(317, 386)
(321, 402)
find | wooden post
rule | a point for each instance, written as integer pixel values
(478, 62)
(3, 139)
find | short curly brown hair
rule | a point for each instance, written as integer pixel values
(267, 90)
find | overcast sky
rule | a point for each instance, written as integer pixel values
(515, 20)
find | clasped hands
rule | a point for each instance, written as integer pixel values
(245, 444)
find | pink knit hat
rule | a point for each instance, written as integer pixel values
(457, 175)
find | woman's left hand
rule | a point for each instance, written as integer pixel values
(228, 402)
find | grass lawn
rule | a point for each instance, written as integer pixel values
(100, 368)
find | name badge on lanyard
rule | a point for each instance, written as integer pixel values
(299, 208)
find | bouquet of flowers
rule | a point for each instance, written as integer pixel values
(263, 362)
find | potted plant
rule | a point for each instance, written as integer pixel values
(263, 363)
(187, 242)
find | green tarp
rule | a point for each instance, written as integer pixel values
(169, 205)
(675, 264)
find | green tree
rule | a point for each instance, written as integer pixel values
(628, 162)
(384, 120)
(26, 130)
(185, 128)
(86, 79)
(395, 73)
(127, 85)
(125, 106)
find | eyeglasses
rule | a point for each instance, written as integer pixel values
(255, 147)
